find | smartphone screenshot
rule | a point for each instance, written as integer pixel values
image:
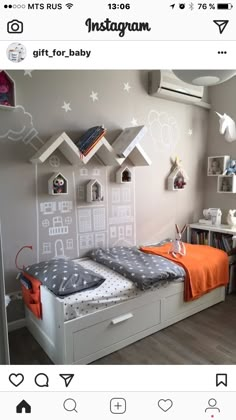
(117, 209)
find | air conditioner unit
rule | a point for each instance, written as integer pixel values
(164, 84)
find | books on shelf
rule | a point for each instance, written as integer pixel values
(199, 237)
(90, 138)
(222, 241)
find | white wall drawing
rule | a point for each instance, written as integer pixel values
(59, 248)
(47, 248)
(69, 244)
(45, 223)
(96, 172)
(54, 161)
(121, 214)
(113, 232)
(65, 206)
(83, 172)
(81, 193)
(121, 232)
(126, 195)
(86, 241)
(22, 129)
(68, 220)
(163, 129)
(85, 220)
(58, 228)
(99, 220)
(128, 230)
(115, 195)
(100, 240)
(48, 207)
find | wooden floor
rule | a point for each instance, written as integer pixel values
(208, 337)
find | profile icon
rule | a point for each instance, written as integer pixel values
(16, 52)
(212, 406)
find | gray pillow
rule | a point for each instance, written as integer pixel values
(63, 277)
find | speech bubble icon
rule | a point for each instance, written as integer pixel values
(221, 379)
(41, 380)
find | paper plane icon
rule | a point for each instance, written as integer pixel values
(172, 5)
(221, 24)
(67, 378)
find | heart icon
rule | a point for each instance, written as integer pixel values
(16, 378)
(165, 405)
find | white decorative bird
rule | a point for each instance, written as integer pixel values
(231, 219)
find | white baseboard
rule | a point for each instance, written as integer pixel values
(16, 325)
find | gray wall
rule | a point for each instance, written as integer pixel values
(174, 129)
(222, 98)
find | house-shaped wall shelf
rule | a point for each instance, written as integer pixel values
(102, 150)
(58, 184)
(177, 179)
(128, 139)
(63, 143)
(124, 175)
(7, 91)
(226, 184)
(94, 191)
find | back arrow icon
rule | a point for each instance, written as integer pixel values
(221, 24)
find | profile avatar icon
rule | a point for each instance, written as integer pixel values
(212, 406)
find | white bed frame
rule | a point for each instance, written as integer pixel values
(90, 337)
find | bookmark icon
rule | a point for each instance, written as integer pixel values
(67, 378)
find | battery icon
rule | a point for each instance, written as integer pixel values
(224, 6)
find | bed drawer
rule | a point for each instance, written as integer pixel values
(104, 334)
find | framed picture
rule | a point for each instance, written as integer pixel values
(217, 165)
(226, 184)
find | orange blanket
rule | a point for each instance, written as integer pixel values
(206, 267)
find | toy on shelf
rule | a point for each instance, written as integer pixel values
(178, 177)
(212, 216)
(177, 247)
(231, 218)
(57, 185)
(231, 168)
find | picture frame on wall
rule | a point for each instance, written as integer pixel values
(217, 165)
(226, 184)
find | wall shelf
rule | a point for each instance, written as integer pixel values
(7, 99)
(177, 179)
(58, 184)
(102, 150)
(94, 191)
(63, 143)
(226, 184)
(124, 175)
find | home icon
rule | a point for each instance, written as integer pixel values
(23, 407)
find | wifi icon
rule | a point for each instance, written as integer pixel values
(69, 5)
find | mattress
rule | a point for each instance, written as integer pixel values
(114, 290)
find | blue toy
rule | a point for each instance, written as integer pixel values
(231, 169)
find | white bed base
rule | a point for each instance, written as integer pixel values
(90, 337)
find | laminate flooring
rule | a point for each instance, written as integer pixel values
(209, 337)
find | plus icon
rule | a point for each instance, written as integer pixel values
(118, 405)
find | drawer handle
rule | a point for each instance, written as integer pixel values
(121, 318)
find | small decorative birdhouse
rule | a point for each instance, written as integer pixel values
(58, 184)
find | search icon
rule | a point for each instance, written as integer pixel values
(70, 405)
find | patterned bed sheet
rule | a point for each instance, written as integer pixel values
(114, 290)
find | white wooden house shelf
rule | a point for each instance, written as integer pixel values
(58, 184)
(11, 94)
(124, 175)
(105, 152)
(94, 191)
(177, 179)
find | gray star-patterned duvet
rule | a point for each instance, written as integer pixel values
(64, 277)
(145, 270)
